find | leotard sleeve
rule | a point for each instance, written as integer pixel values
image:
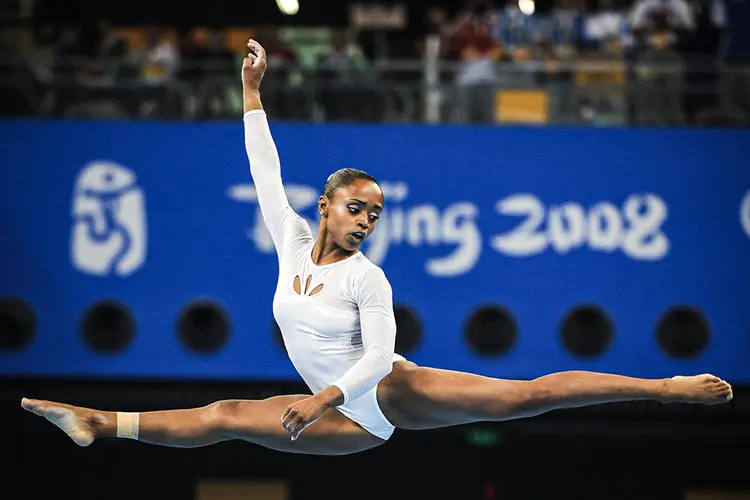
(265, 168)
(374, 298)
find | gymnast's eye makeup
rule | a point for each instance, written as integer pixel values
(353, 209)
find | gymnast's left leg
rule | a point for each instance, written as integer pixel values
(415, 398)
(253, 421)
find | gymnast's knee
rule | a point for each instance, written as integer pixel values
(514, 399)
(533, 395)
(226, 416)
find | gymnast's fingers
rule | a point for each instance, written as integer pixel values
(295, 425)
(256, 47)
(298, 431)
(288, 418)
(286, 413)
(257, 50)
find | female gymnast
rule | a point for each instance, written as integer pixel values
(335, 311)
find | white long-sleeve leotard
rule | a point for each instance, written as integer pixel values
(337, 319)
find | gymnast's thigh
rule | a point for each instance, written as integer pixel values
(259, 422)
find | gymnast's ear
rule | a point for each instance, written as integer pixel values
(323, 206)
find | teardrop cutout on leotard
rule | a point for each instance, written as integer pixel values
(307, 283)
(297, 285)
(316, 290)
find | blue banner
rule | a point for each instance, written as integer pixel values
(538, 221)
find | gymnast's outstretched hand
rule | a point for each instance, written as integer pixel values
(302, 414)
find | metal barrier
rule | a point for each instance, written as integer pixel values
(653, 88)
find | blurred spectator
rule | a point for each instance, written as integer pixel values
(564, 28)
(88, 62)
(600, 87)
(477, 52)
(106, 49)
(206, 54)
(279, 53)
(606, 30)
(159, 60)
(19, 89)
(438, 29)
(658, 27)
(660, 23)
(343, 72)
(345, 56)
(209, 66)
(157, 64)
(518, 33)
(701, 65)
(94, 40)
(561, 43)
(94, 52)
(734, 17)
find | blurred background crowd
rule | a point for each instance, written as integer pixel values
(650, 62)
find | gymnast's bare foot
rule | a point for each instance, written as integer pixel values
(79, 424)
(704, 389)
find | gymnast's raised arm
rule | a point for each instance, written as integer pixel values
(265, 166)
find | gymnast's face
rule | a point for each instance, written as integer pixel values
(352, 214)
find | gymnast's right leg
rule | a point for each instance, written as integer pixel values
(257, 422)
